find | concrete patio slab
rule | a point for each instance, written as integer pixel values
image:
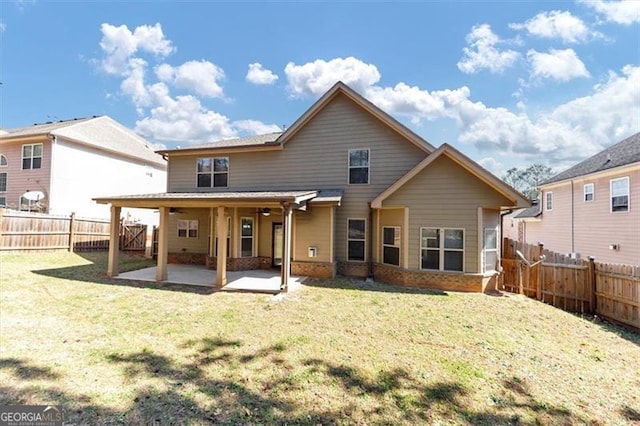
(258, 280)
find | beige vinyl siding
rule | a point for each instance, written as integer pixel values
(316, 158)
(311, 229)
(444, 195)
(191, 245)
(265, 231)
(20, 181)
(596, 227)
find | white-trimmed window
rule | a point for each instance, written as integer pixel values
(548, 200)
(187, 228)
(620, 194)
(3, 201)
(215, 250)
(32, 156)
(358, 166)
(391, 245)
(3, 160)
(246, 243)
(490, 250)
(3, 182)
(213, 172)
(442, 249)
(589, 192)
(356, 239)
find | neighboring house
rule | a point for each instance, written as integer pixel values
(591, 209)
(67, 163)
(346, 189)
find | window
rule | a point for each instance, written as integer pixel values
(3, 161)
(442, 249)
(356, 238)
(490, 250)
(3, 182)
(620, 194)
(391, 245)
(213, 172)
(588, 192)
(3, 201)
(31, 156)
(548, 200)
(187, 228)
(228, 238)
(246, 245)
(358, 166)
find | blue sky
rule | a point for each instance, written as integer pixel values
(508, 83)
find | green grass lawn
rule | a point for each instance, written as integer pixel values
(341, 352)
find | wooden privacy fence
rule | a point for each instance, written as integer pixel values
(21, 231)
(574, 285)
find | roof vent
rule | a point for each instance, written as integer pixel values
(608, 157)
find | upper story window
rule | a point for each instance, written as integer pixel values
(358, 166)
(548, 200)
(3, 182)
(213, 172)
(3, 160)
(589, 190)
(32, 156)
(620, 194)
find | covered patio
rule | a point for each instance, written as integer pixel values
(258, 280)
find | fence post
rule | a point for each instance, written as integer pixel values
(592, 277)
(540, 282)
(72, 231)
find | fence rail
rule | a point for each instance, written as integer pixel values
(574, 285)
(28, 231)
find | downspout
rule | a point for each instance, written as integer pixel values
(573, 248)
(370, 245)
(54, 144)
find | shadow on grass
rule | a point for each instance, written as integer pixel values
(217, 382)
(96, 273)
(355, 284)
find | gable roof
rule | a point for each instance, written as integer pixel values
(341, 88)
(465, 162)
(530, 212)
(620, 154)
(101, 132)
(277, 140)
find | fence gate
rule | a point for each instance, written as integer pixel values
(133, 236)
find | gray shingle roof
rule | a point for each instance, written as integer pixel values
(620, 154)
(100, 132)
(529, 212)
(255, 140)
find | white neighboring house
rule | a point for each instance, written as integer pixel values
(69, 162)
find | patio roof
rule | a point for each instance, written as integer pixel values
(228, 199)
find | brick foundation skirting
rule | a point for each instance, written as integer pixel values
(187, 258)
(353, 269)
(434, 279)
(326, 270)
(237, 263)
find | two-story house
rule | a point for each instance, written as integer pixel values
(346, 189)
(58, 167)
(591, 209)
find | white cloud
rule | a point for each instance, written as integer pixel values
(624, 12)
(3, 26)
(119, 44)
(315, 78)
(133, 85)
(198, 77)
(482, 53)
(493, 165)
(254, 127)
(560, 65)
(259, 75)
(556, 24)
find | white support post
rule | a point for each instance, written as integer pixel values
(114, 242)
(163, 245)
(221, 232)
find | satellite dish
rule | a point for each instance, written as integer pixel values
(33, 195)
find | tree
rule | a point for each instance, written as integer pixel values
(527, 180)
